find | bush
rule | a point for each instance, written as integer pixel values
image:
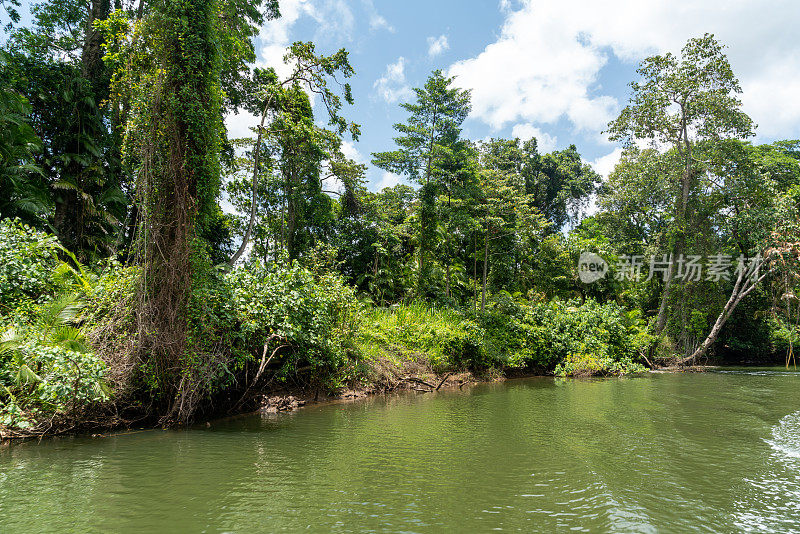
(27, 260)
(513, 333)
(39, 381)
(445, 337)
(310, 319)
(588, 339)
(583, 365)
(46, 368)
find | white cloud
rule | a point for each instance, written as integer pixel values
(392, 86)
(605, 164)
(335, 22)
(602, 166)
(275, 35)
(772, 100)
(437, 45)
(376, 20)
(239, 124)
(525, 131)
(387, 179)
(545, 64)
(350, 151)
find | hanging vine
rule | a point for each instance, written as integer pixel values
(168, 79)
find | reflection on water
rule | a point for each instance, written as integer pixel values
(711, 452)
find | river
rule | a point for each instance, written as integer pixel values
(708, 452)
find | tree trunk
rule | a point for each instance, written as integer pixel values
(251, 222)
(680, 219)
(92, 65)
(447, 246)
(485, 269)
(291, 221)
(741, 289)
(475, 268)
(447, 280)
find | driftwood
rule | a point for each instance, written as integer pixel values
(261, 367)
(418, 381)
(443, 381)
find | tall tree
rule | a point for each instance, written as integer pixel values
(318, 75)
(427, 141)
(172, 78)
(22, 191)
(680, 102)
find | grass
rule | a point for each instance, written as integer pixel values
(409, 331)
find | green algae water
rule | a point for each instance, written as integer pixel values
(710, 452)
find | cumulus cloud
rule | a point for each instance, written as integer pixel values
(526, 131)
(334, 22)
(387, 179)
(274, 35)
(350, 151)
(605, 164)
(545, 64)
(602, 166)
(437, 45)
(239, 124)
(392, 86)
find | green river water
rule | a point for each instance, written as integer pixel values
(709, 452)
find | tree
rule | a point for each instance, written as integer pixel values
(427, 142)
(172, 80)
(508, 218)
(757, 215)
(22, 191)
(561, 184)
(679, 103)
(310, 72)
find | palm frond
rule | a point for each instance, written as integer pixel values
(10, 341)
(60, 311)
(25, 375)
(70, 338)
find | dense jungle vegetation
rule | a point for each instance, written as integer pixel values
(128, 295)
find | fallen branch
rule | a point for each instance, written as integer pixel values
(443, 381)
(418, 381)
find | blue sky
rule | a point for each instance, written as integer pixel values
(557, 70)
(554, 69)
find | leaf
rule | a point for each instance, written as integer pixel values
(25, 375)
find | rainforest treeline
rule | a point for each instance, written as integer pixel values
(128, 295)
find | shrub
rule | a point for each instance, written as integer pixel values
(40, 381)
(588, 339)
(309, 319)
(445, 337)
(27, 260)
(583, 365)
(46, 368)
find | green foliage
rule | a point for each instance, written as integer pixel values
(494, 222)
(441, 336)
(293, 156)
(27, 260)
(684, 99)
(302, 318)
(431, 152)
(46, 367)
(606, 332)
(582, 365)
(39, 381)
(512, 333)
(20, 178)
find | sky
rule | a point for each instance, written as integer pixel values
(554, 69)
